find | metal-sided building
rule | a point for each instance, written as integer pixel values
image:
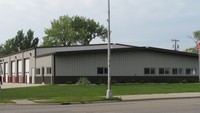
(57, 65)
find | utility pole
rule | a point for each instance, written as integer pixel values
(109, 92)
(175, 46)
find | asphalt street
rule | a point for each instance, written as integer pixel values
(150, 106)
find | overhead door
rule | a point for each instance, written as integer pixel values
(19, 70)
(27, 74)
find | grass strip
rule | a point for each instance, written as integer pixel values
(89, 93)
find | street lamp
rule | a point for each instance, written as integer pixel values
(109, 92)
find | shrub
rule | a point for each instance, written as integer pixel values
(83, 81)
(113, 81)
(184, 81)
(68, 82)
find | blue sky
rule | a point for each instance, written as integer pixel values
(135, 22)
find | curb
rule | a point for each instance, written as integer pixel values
(159, 99)
(93, 102)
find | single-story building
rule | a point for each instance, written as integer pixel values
(58, 65)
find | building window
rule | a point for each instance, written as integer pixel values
(102, 70)
(164, 71)
(177, 71)
(48, 70)
(37, 70)
(190, 71)
(167, 71)
(161, 71)
(149, 70)
(105, 70)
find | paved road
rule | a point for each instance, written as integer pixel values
(153, 106)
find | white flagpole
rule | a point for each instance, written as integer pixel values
(199, 57)
(109, 92)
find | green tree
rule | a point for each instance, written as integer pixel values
(192, 50)
(19, 42)
(87, 29)
(50, 41)
(1, 49)
(34, 42)
(195, 38)
(22, 41)
(60, 33)
(73, 30)
(27, 40)
(7, 48)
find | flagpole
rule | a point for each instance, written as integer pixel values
(199, 57)
(109, 92)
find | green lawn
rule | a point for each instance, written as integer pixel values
(87, 93)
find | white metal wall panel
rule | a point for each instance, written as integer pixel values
(33, 75)
(13, 72)
(124, 63)
(27, 75)
(44, 62)
(80, 64)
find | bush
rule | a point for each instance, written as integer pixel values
(184, 81)
(68, 82)
(83, 81)
(113, 81)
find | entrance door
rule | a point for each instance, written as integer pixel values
(43, 75)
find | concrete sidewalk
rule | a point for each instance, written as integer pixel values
(24, 102)
(17, 85)
(132, 97)
(159, 96)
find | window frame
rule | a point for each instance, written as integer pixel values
(102, 70)
(165, 71)
(37, 71)
(177, 71)
(149, 71)
(48, 70)
(162, 70)
(193, 71)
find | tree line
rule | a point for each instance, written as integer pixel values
(65, 31)
(19, 42)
